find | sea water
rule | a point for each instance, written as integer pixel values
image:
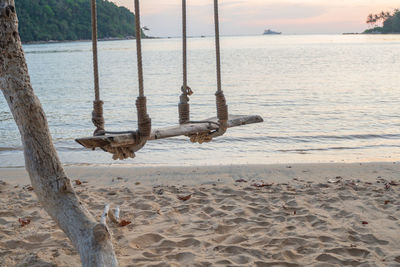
(324, 98)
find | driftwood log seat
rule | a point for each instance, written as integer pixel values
(187, 129)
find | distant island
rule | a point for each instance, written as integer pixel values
(70, 20)
(390, 22)
(269, 31)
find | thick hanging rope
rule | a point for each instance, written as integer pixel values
(184, 43)
(144, 121)
(97, 114)
(222, 108)
(139, 48)
(184, 108)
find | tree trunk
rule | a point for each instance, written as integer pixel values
(53, 188)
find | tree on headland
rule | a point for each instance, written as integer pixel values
(62, 20)
(378, 19)
(370, 19)
(51, 185)
(384, 22)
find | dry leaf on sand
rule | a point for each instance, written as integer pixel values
(124, 223)
(184, 198)
(24, 222)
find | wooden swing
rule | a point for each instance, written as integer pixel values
(124, 144)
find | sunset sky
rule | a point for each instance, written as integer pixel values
(240, 17)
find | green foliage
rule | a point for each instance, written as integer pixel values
(390, 22)
(60, 20)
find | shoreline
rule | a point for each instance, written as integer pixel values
(88, 40)
(200, 36)
(223, 174)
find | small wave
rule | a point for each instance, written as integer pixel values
(353, 136)
(10, 149)
(311, 138)
(84, 50)
(75, 148)
(304, 151)
(58, 51)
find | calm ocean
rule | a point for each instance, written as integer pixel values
(324, 98)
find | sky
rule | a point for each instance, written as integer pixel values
(248, 17)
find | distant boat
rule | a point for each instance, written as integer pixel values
(266, 32)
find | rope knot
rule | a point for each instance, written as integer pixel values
(97, 116)
(187, 91)
(184, 113)
(183, 107)
(201, 138)
(144, 121)
(121, 153)
(222, 108)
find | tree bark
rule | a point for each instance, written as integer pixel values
(52, 186)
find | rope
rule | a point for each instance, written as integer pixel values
(97, 117)
(184, 113)
(97, 113)
(139, 48)
(183, 107)
(94, 50)
(217, 46)
(222, 108)
(144, 121)
(184, 44)
(121, 153)
(201, 138)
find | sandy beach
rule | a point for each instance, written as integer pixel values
(249, 215)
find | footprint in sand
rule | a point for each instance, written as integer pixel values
(236, 239)
(354, 252)
(189, 242)
(224, 229)
(145, 240)
(183, 257)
